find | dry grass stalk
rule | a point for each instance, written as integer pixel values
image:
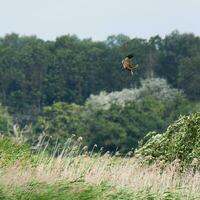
(125, 172)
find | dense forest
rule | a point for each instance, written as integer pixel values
(57, 86)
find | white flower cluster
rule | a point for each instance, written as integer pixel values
(156, 87)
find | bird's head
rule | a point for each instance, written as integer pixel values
(130, 56)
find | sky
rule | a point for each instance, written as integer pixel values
(97, 19)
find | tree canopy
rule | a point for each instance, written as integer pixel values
(36, 73)
(77, 86)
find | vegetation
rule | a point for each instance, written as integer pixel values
(82, 118)
(180, 142)
(6, 121)
(76, 173)
(36, 73)
(116, 120)
(79, 191)
(10, 152)
(72, 86)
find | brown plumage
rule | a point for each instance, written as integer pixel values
(127, 63)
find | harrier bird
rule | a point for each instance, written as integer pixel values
(128, 65)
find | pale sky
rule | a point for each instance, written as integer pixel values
(97, 19)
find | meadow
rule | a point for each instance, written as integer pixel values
(75, 173)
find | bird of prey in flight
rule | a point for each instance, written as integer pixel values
(128, 65)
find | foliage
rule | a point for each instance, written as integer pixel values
(155, 87)
(188, 77)
(172, 49)
(11, 151)
(6, 121)
(117, 40)
(92, 176)
(180, 141)
(117, 120)
(36, 73)
(80, 191)
(122, 127)
(60, 121)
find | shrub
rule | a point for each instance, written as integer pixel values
(155, 87)
(180, 141)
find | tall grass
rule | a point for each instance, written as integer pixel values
(75, 164)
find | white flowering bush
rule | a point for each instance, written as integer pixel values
(155, 87)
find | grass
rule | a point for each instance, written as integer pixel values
(78, 174)
(11, 151)
(79, 191)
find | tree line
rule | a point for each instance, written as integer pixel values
(36, 73)
(49, 83)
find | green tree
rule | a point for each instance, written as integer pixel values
(172, 49)
(60, 121)
(116, 40)
(189, 78)
(121, 127)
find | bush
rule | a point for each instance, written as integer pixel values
(180, 141)
(155, 87)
